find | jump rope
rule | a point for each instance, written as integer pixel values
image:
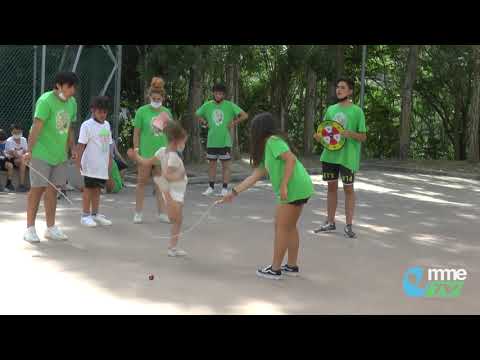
(204, 215)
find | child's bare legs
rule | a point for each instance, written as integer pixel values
(95, 199)
(87, 200)
(175, 214)
(286, 235)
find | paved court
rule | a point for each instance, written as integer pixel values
(401, 221)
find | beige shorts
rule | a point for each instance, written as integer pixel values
(57, 174)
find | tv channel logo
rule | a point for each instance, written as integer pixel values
(434, 283)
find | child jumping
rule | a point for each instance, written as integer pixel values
(94, 160)
(173, 179)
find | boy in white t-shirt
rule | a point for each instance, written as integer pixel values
(173, 180)
(94, 160)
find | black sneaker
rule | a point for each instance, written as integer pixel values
(349, 232)
(10, 187)
(290, 270)
(269, 273)
(327, 227)
(60, 197)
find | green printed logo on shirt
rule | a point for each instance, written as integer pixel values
(104, 135)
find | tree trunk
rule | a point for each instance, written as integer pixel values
(193, 150)
(339, 52)
(232, 80)
(459, 125)
(473, 153)
(310, 97)
(406, 107)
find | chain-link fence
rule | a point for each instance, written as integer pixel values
(28, 71)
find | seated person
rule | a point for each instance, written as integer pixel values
(16, 146)
(5, 165)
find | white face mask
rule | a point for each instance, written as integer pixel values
(181, 148)
(62, 96)
(155, 104)
(17, 136)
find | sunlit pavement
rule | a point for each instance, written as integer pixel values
(401, 221)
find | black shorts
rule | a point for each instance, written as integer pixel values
(2, 164)
(222, 154)
(92, 183)
(331, 172)
(121, 165)
(299, 202)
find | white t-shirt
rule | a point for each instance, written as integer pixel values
(96, 155)
(171, 159)
(20, 149)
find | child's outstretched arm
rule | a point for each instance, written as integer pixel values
(246, 184)
(135, 156)
(173, 174)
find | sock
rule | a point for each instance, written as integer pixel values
(212, 184)
(225, 185)
(85, 214)
(9, 182)
(94, 213)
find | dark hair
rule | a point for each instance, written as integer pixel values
(3, 135)
(100, 103)
(219, 87)
(263, 126)
(15, 126)
(346, 80)
(175, 131)
(66, 77)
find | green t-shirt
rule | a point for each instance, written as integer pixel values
(351, 118)
(299, 186)
(219, 116)
(56, 115)
(151, 139)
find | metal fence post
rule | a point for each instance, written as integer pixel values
(44, 53)
(362, 87)
(118, 84)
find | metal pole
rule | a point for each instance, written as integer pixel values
(42, 75)
(362, 86)
(79, 51)
(34, 90)
(118, 85)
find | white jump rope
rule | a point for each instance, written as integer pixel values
(202, 217)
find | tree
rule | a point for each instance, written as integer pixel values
(473, 111)
(310, 99)
(406, 107)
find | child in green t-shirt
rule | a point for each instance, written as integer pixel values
(346, 161)
(220, 116)
(292, 185)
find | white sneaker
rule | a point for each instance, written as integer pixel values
(176, 252)
(208, 192)
(224, 192)
(138, 218)
(54, 233)
(102, 220)
(31, 236)
(88, 221)
(163, 218)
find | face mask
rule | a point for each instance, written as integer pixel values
(17, 136)
(155, 104)
(181, 148)
(62, 96)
